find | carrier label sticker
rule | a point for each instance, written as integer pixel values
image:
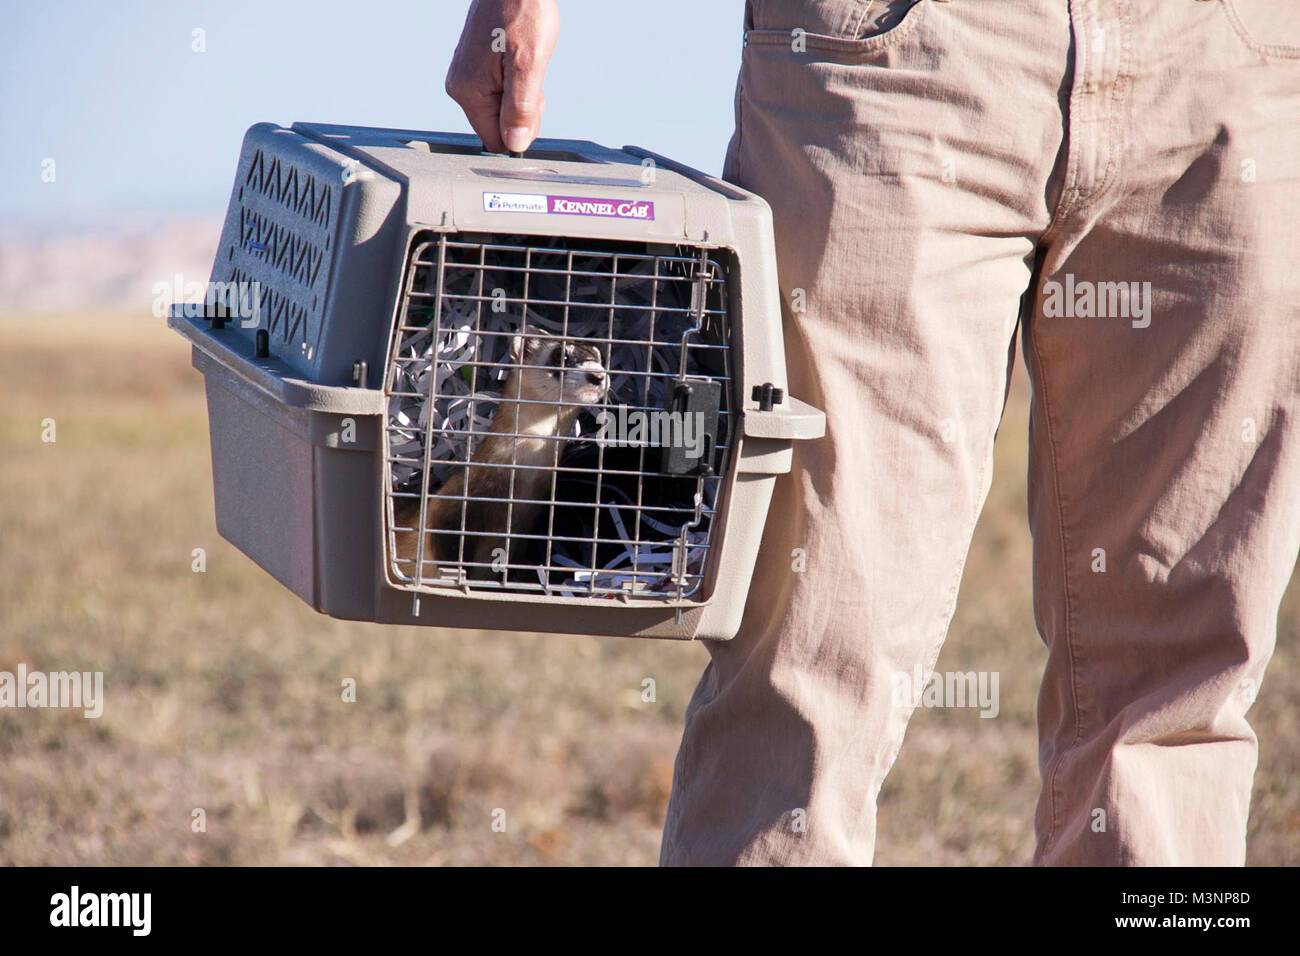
(569, 205)
(613, 208)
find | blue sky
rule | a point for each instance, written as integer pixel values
(136, 122)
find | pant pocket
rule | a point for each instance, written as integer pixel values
(1266, 26)
(875, 26)
(851, 27)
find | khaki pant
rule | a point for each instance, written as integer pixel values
(941, 175)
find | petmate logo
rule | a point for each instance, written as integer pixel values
(513, 202)
(610, 208)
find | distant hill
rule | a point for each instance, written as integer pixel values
(110, 266)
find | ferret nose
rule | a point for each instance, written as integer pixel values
(596, 378)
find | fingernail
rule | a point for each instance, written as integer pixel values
(517, 138)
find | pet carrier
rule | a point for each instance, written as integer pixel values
(541, 392)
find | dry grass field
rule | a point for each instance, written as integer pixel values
(223, 691)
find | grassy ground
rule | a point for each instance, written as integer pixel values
(224, 691)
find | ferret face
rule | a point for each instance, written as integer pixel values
(558, 371)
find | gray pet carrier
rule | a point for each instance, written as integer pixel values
(541, 392)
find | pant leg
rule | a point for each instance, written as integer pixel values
(908, 176)
(1165, 457)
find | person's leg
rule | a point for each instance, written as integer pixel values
(1165, 444)
(908, 176)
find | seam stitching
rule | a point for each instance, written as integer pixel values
(1069, 187)
(1280, 50)
(1050, 784)
(1114, 123)
(855, 31)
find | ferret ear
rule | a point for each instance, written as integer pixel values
(525, 345)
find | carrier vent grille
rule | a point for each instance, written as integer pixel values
(281, 241)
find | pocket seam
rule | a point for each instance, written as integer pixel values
(833, 44)
(862, 15)
(1281, 50)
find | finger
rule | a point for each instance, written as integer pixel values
(521, 100)
(483, 110)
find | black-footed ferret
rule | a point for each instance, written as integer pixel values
(526, 431)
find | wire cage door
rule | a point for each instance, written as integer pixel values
(558, 418)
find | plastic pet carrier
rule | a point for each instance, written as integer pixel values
(541, 392)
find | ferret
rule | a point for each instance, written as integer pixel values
(526, 431)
